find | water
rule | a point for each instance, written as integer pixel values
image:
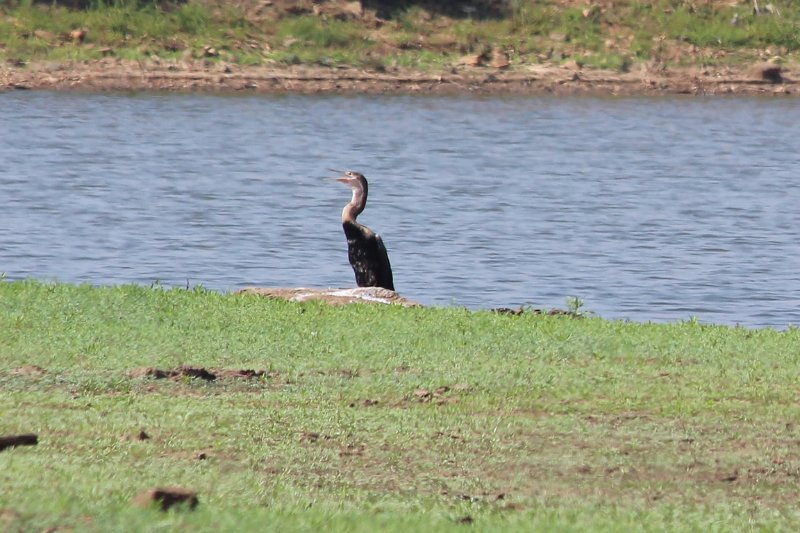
(646, 209)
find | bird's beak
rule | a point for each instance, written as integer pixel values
(342, 178)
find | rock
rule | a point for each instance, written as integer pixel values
(499, 59)
(472, 60)
(372, 295)
(78, 36)
(164, 498)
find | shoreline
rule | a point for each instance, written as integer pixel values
(763, 79)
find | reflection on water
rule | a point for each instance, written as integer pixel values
(647, 209)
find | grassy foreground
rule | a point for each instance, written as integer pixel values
(387, 418)
(609, 35)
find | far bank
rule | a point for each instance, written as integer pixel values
(389, 46)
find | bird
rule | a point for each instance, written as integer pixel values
(365, 248)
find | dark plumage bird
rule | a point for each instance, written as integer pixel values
(365, 248)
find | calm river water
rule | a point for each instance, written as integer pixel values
(646, 209)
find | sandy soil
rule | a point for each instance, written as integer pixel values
(112, 74)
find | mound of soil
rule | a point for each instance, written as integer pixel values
(165, 498)
(180, 372)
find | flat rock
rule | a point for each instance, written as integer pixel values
(372, 295)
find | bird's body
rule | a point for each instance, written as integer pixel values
(368, 256)
(365, 248)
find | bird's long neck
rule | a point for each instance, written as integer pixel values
(357, 203)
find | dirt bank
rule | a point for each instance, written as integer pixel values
(112, 74)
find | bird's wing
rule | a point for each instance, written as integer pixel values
(386, 280)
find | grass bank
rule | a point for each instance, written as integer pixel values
(607, 35)
(401, 419)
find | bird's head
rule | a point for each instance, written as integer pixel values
(352, 179)
(358, 184)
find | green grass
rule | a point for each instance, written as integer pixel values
(390, 418)
(314, 31)
(41, 32)
(596, 37)
(712, 27)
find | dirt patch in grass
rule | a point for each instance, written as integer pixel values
(311, 437)
(166, 498)
(443, 395)
(29, 370)
(366, 402)
(188, 372)
(141, 435)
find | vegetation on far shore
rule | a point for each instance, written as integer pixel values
(592, 34)
(364, 418)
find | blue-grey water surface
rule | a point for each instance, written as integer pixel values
(646, 209)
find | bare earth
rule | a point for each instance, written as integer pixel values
(112, 74)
